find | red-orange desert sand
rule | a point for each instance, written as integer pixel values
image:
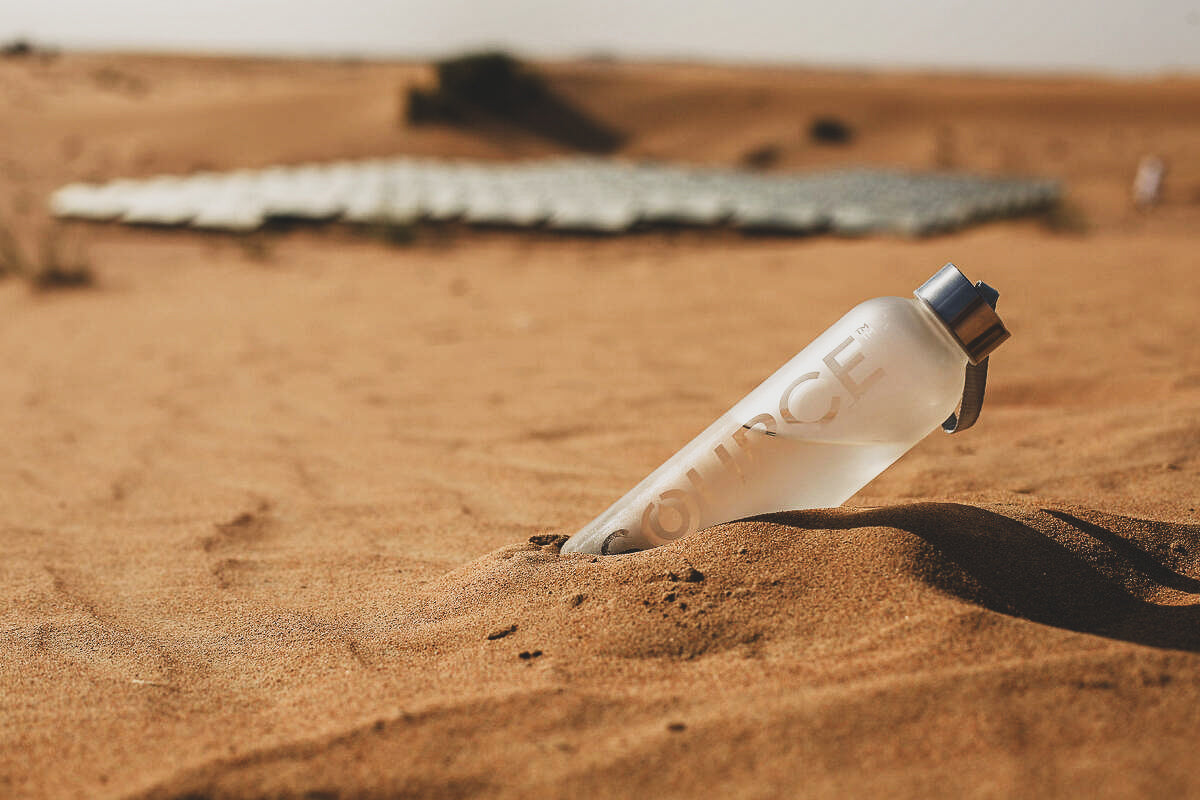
(266, 504)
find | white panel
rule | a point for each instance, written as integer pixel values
(566, 194)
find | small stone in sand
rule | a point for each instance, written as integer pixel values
(676, 727)
(528, 654)
(543, 539)
(501, 632)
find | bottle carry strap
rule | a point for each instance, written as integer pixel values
(975, 381)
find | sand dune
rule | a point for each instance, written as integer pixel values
(267, 504)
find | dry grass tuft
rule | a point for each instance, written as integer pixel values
(62, 261)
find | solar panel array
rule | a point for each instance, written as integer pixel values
(583, 195)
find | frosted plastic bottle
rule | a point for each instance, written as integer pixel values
(828, 421)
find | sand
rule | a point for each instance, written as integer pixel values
(266, 506)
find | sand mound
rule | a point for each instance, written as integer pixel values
(847, 619)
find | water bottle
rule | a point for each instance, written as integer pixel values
(828, 421)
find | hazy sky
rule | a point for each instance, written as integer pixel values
(1106, 35)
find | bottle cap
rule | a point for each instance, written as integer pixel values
(967, 310)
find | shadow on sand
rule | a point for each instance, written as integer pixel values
(1029, 573)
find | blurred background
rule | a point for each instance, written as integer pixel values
(999, 89)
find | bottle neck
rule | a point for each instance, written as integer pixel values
(940, 328)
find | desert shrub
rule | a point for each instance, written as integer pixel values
(830, 130)
(17, 48)
(63, 263)
(491, 89)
